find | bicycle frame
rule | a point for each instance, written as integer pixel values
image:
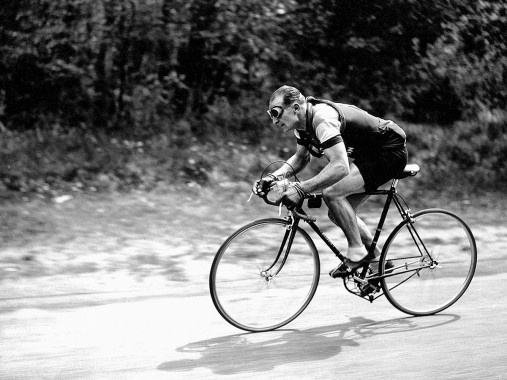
(250, 285)
(392, 197)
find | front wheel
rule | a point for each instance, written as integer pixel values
(264, 275)
(428, 262)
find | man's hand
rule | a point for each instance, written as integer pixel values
(294, 195)
(261, 187)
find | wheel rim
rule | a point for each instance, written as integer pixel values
(248, 290)
(437, 271)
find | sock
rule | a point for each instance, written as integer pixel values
(356, 254)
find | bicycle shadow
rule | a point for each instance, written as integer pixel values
(259, 352)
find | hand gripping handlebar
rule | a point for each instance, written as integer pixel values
(297, 212)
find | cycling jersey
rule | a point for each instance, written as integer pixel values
(361, 132)
(377, 146)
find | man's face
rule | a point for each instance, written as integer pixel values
(283, 117)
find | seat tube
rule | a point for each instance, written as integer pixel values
(383, 216)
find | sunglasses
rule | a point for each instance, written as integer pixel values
(276, 112)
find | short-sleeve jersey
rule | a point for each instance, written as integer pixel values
(329, 123)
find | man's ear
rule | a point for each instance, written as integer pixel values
(296, 107)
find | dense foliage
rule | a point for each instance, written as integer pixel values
(204, 68)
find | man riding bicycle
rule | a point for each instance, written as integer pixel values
(363, 153)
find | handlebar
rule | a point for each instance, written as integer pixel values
(297, 212)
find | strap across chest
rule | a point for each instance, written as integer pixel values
(308, 137)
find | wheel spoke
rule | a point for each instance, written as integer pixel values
(282, 286)
(437, 274)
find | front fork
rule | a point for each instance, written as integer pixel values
(283, 251)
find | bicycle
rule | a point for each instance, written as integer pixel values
(267, 272)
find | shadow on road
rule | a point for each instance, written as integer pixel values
(260, 352)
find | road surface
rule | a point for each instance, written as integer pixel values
(149, 336)
(105, 325)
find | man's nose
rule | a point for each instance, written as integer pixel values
(276, 121)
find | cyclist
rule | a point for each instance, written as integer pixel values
(363, 153)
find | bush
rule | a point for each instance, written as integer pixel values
(467, 156)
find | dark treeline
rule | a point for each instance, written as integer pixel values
(142, 66)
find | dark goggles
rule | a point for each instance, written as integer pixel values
(275, 112)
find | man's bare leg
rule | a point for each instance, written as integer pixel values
(343, 214)
(366, 236)
(356, 200)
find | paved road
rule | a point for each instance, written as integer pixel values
(105, 325)
(140, 336)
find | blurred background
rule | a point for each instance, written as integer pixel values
(110, 95)
(123, 123)
(131, 132)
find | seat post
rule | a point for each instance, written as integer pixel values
(394, 183)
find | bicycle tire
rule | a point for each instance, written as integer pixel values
(245, 295)
(433, 272)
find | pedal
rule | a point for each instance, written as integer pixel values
(361, 287)
(368, 290)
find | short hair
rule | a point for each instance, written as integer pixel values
(289, 95)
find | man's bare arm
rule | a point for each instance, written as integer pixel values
(336, 169)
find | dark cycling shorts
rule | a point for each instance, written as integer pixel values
(382, 165)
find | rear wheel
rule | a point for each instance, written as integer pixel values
(255, 285)
(428, 262)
